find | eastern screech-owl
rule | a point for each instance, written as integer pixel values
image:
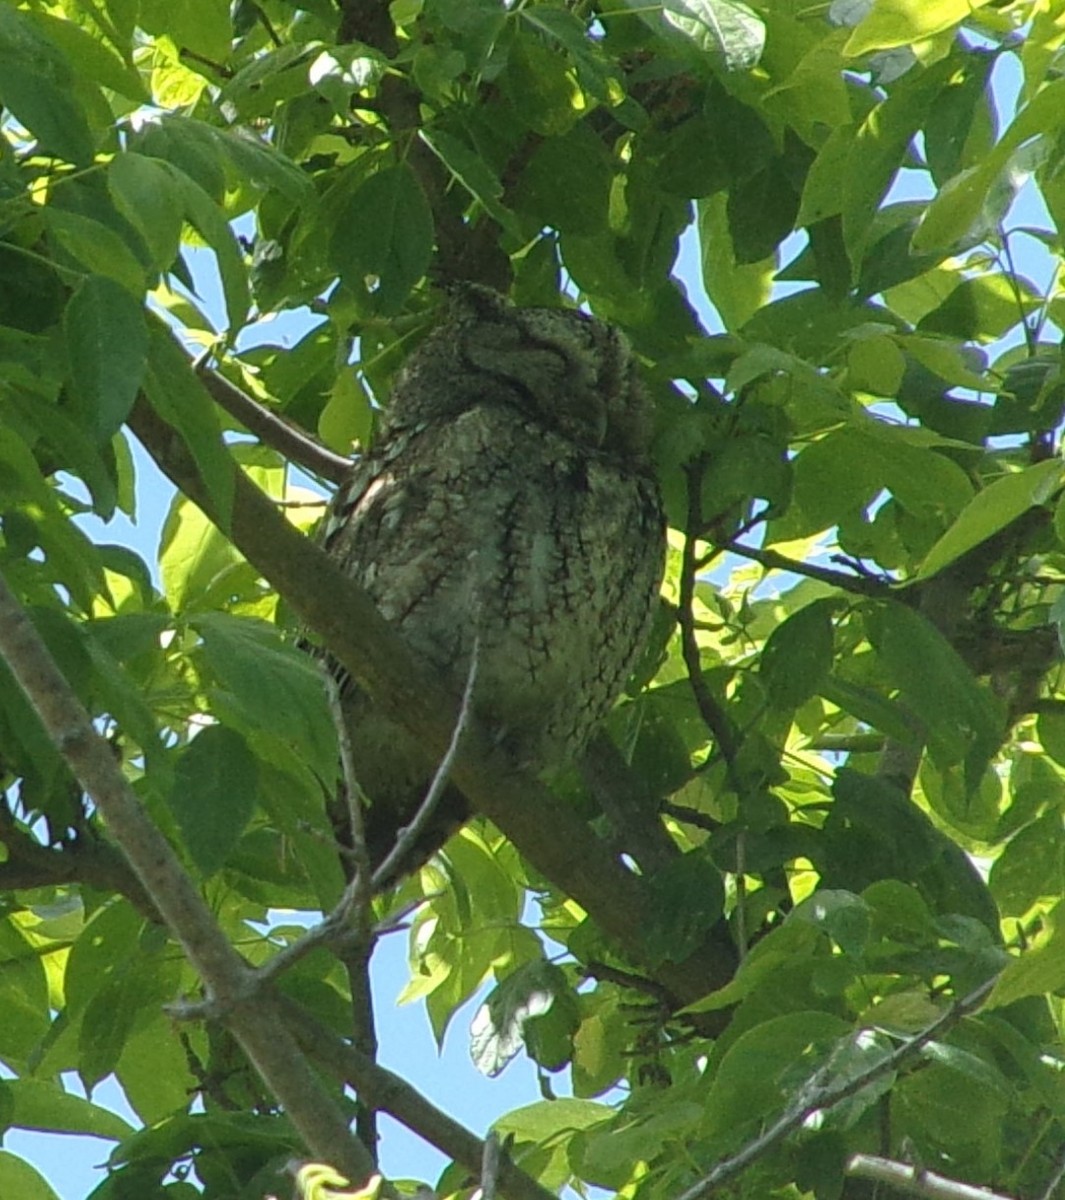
(509, 498)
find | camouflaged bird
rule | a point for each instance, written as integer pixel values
(508, 498)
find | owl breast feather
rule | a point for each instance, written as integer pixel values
(489, 529)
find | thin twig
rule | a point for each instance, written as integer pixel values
(286, 439)
(356, 951)
(817, 1094)
(408, 837)
(1055, 1181)
(915, 1180)
(711, 712)
(356, 853)
(773, 561)
(491, 1165)
(626, 979)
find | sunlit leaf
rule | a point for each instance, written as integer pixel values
(990, 510)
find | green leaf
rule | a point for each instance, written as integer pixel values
(384, 240)
(834, 476)
(154, 1069)
(865, 171)
(871, 708)
(107, 344)
(43, 1106)
(875, 364)
(214, 795)
(761, 212)
(195, 558)
(945, 359)
(1031, 867)
(1039, 970)
(210, 223)
(845, 917)
(18, 1178)
(955, 212)
(539, 84)
(68, 551)
(753, 1078)
(270, 687)
(122, 697)
(960, 714)
(149, 980)
(998, 505)
(500, 1027)
(93, 59)
(202, 26)
(797, 656)
(983, 309)
(475, 175)
(37, 86)
(607, 1156)
(109, 939)
(24, 993)
(552, 1124)
(97, 248)
(177, 1137)
(901, 23)
(687, 896)
(567, 183)
(596, 72)
(181, 143)
(347, 419)
(723, 29)
(144, 194)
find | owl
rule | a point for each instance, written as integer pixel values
(508, 503)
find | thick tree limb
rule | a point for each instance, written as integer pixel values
(545, 830)
(252, 1018)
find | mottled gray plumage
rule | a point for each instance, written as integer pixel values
(509, 496)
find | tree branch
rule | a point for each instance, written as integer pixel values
(253, 1021)
(408, 837)
(772, 561)
(83, 859)
(714, 717)
(632, 810)
(464, 250)
(820, 1093)
(406, 1104)
(550, 835)
(274, 431)
(914, 1180)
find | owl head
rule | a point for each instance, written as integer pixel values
(564, 369)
